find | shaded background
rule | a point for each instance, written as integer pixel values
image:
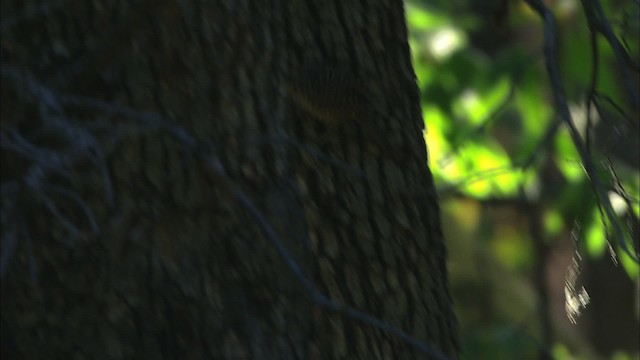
(534, 265)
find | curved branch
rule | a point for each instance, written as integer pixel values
(562, 109)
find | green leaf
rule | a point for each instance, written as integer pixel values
(420, 19)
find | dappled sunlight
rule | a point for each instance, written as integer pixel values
(498, 142)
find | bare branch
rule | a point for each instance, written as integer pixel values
(68, 224)
(321, 300)
(152, 121)
(617, 107)
(598, 21)
(78, 200)
(9, 244)
(46, 160)
(29, 14)
(562, 108)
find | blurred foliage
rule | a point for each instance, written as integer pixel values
(489, 113)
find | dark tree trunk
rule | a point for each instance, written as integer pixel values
(164, 197)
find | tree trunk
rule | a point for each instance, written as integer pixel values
(165, 195)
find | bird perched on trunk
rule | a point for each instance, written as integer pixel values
(334, 95)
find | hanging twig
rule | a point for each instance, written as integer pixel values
(562, 108)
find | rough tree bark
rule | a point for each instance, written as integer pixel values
(163, 197)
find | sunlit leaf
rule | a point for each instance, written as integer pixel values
(419, 18)
(478, 106)
(531, 101)
(595, 237)
(553, 222)
(630, 265)
(445, 41)
(567, 156)
(482, 170)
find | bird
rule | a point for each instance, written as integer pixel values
(333, 95)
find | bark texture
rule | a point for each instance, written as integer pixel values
(134, 242)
